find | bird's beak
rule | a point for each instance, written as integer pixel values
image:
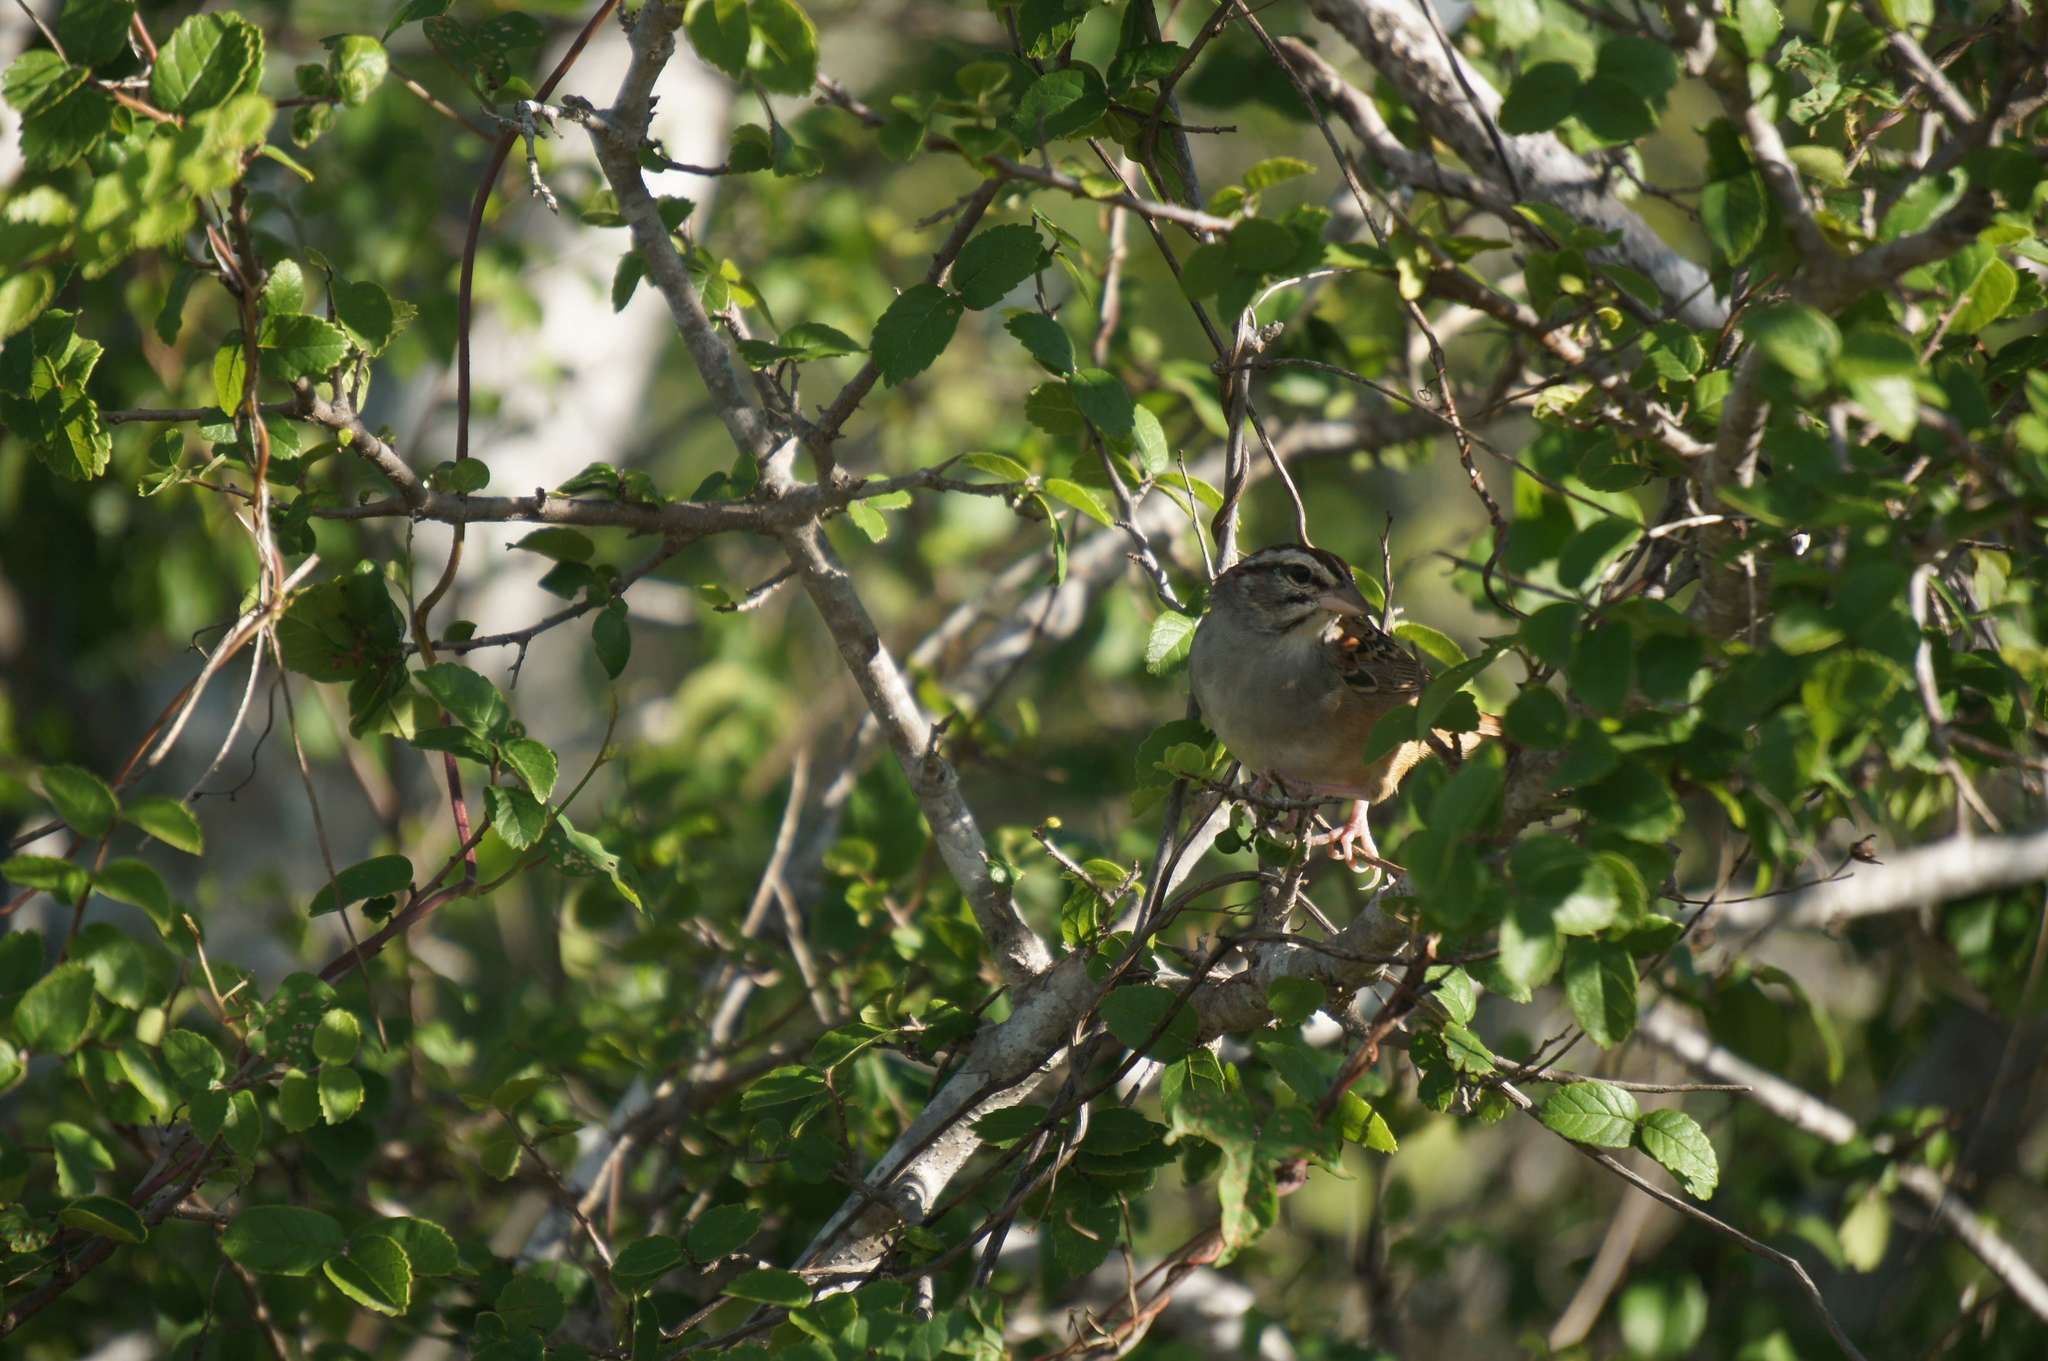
(1346, 600)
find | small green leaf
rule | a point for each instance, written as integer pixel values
(914, 331)
(721, 1231)
(1676, 1140)
(1294, 1000)
(1045, 339)
(195, 1063)
(530, 1300)
(1600, 983)
(1798, 339)
(207, 59)
(612, 638)
(1168, 644)
(720, 32)
(1102, 397)
(768, 1285)
(1081, 499)
(52, 1016)
(80, 1158)
(337, 1037)
(374, 1272)
(999, 466)
(341, 1093)
(558, 543)
(281, 1240)
(428, 1246)
(105, 1216)
(517, 817)
(1541, 98)
(784, 55)
(367, 879)
(996, 261)
(470, 700)
(299, 346)
(1135, 1012)
(137, 884)
(358, 64)
(81, 798)
(1059, 104)
(642, 1262)
(534, 763)
(1592, 1113)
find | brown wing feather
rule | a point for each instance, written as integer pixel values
(1371, 661)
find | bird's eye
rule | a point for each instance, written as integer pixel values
(1300, 575)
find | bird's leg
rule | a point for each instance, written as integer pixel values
(1352, 843)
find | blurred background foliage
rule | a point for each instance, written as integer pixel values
(1469, 1241)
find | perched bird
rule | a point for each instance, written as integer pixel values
(1291, 671)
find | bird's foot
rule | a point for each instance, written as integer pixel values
(1352, 843)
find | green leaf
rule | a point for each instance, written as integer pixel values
(105, 1216)
(298, 1100)
(558, 543)
(80, 1158)
(1600, 983)
(341, 1093)
(195, 1064)
(428, 1246)
(1530, 949)
(517, 817)
(1986, 299)
(59, 878)
(1436, 644)
(534, 763)
(337, 1037)
(299, 346)
(784, 55)
(1467, 1052)
(995, 262)
(1275, 170)
(41, 80)
(1000, 466)
(1294, 1000)
(783, 1086)
(137, 884)
(1602, 670)
(1081, 499)
(358, 64)
(367, 879)
(720, 32)
(1676, 1140)
(914, 331)
(1059, 104)
(643, 1262)
(207, 59)
(81, 798)
(1541, 98)
(1798, 339)
(1736, 212)
(767, 1285)
(868, 520)
(469, 699)
(530, 1300)
(1102, 397)
(281, 1240)
(1168, 644)
(23, 298)
(138, 1064)
(612, 638)
(1759, 23)
(721, 1231)
(52, 1016)
(1134, 1012)
(816, 340)
(374, 1272)
(372, 317)
(1613, 110)
(1644, 65)
(1592, 1113)
(1259, 245)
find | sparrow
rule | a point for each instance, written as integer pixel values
(1291, 671)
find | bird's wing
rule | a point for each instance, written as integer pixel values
(1373, 663)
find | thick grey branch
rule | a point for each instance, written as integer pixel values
(1396, 38)
(1664, 1028)
(1925, 876)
